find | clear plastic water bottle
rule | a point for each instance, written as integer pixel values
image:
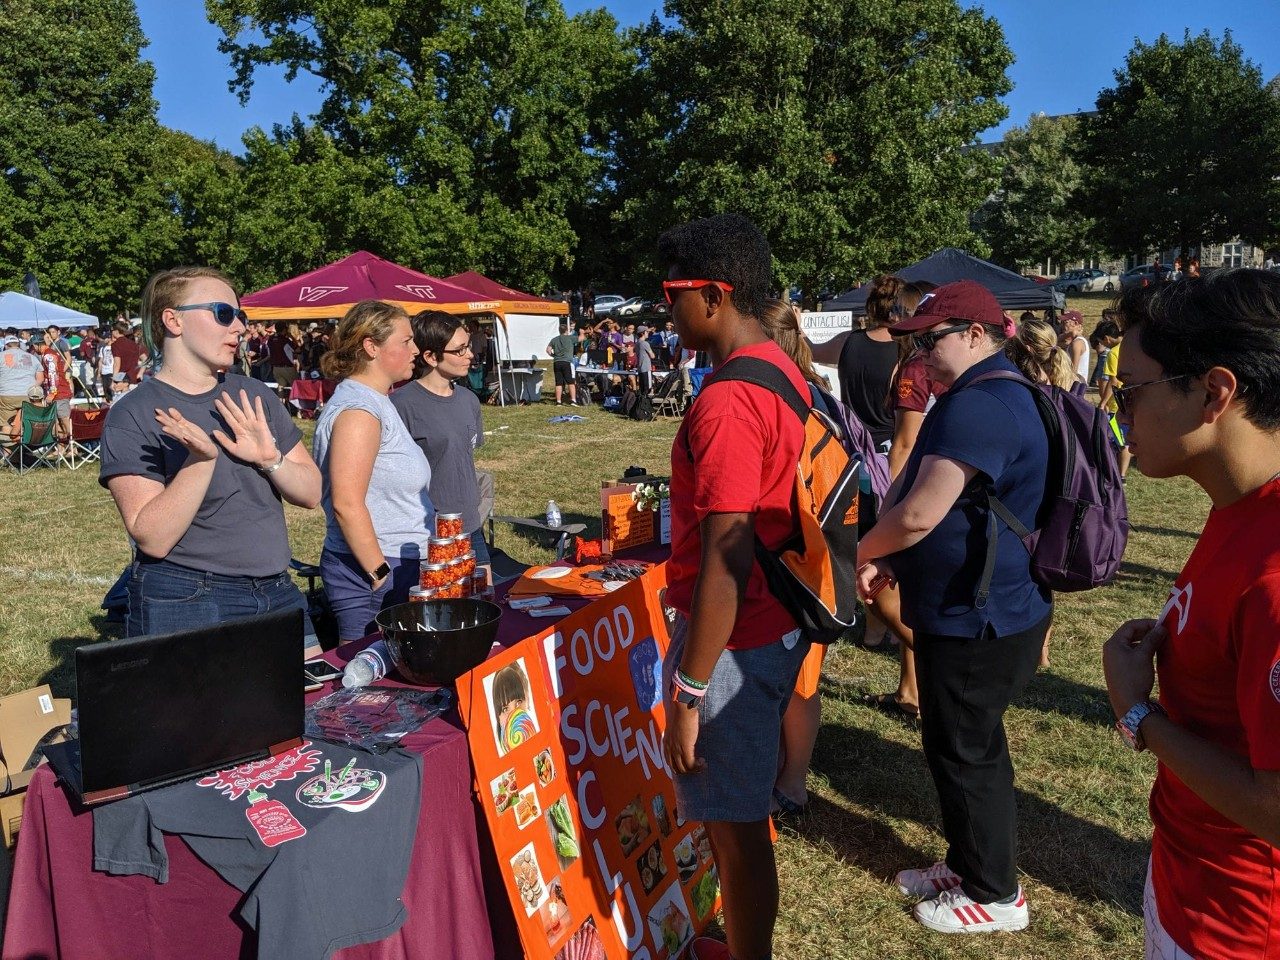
(372, 663)
(553, 514)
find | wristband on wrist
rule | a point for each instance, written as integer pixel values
(688, 681)
(679, 684)
(275, 466)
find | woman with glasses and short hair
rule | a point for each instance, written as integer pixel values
(978, 628)
(378, 511)
(198, 460)
(445, 420)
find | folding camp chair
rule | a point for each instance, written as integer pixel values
(668, 398)
(86, 435)
(38, 444)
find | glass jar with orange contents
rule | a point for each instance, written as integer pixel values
(434, 575)
(466, 563)
(423, 594)
(440, 550)
(461, 545)
(451, 591)
(457, 569)
(480, 584)
(448, 524)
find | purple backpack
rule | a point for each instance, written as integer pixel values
(1083, 523)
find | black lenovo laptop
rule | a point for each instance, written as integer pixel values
(162, 709)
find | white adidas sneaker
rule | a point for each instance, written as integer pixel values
(929, 882)
(953, 911)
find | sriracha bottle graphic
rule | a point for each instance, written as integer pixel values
(272, 820)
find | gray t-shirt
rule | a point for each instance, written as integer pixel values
(562, 348)
(447, 429)
(18, 371)
(398, 498)
(644, 356)
(239, 529)
(319, 840)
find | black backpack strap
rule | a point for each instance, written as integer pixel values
(996, 509)
(763, 374)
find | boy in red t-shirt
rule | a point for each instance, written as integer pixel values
(1201, 399)
(735, 650)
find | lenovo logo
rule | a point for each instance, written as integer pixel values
(130, 664)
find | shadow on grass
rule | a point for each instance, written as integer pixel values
(1140, 571)
(1058, 849)
(1052, 693)
(61, 677)
(1165, 532)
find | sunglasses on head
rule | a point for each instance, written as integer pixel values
(676, 285)
(225, 313)
(929, 339)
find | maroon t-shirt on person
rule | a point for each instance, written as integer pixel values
(127, 351)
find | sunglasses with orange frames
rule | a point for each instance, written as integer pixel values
(669, 285)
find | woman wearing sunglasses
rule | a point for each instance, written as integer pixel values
(444, 420)
(198, 460)
(973, 654)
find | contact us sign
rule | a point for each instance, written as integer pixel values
(565, 730)
(820, 326)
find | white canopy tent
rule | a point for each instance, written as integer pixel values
(22, 312)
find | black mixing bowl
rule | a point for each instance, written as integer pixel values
(437, 641)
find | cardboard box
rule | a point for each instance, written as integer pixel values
(26, 718)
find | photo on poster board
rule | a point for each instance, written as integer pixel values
(526, 807)
(505, 790)
(564, 837)
(705, 892)
(686, 859)
(585, 944)
(651, 867)
(555, 915)
(632, 824)
(544, 768)
(669, 921)
(528, 879)
(512, 713)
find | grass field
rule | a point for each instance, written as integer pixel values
(1082, 796)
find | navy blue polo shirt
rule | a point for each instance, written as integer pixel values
(994, 427)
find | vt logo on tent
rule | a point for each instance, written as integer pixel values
(316, 294)
(421, 290)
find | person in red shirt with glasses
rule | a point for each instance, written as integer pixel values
(1201, 399)
(735, 650)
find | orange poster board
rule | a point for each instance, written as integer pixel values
(625, 525)
(565, 730)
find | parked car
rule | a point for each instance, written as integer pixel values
(1090, 280)
(608, 303)
(1142, 275)
(629, 308)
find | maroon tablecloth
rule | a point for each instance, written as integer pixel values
(59, 907)
(454, 895)
(313, 391)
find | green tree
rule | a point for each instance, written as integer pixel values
(1184, 149)
(839, 126)
(471, 130)
(1033, 215)
(78, 202)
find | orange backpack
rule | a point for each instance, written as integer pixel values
(814, 573)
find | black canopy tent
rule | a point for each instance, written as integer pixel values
(1013, 292)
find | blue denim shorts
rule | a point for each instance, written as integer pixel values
(739, 727)
(165, 597)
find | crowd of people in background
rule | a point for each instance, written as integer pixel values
(200, 455)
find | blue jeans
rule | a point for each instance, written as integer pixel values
(353, 603)
(479, 546)
(165, 597)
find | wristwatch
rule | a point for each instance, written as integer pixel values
(1128, 724)
(379, 572)
(683, 697)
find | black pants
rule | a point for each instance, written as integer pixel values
(646, 383)
(965, 686)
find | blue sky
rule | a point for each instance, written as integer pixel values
(1065, 53)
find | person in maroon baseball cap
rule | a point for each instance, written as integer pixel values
(978, 632)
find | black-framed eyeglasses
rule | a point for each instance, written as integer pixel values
(1124, 400)
(927, 340)
(225, 313)
(462, 351)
